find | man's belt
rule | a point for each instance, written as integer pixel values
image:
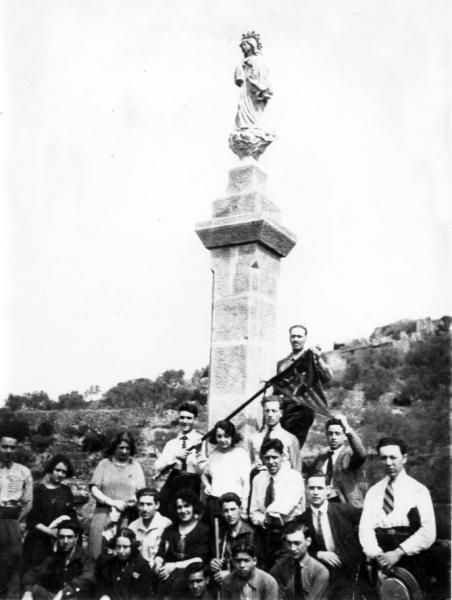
(393, 531)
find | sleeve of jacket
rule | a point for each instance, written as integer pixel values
(34, 517)
(271, 591)
(164, 544)
(100, 575)
(34, 575)
(145, 584)
(359, 454)
(320, 587)
(86, 579)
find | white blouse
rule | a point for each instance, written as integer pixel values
(229, 472)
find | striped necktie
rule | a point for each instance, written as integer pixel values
(388, 500)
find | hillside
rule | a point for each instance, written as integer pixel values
(395, 382)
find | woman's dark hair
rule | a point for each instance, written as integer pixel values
(122, 436)
(130, 535)
(60, 458)
(229, 431)
(187, 495)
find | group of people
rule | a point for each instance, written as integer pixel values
(244, 521)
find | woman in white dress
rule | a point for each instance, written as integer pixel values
(227, 469)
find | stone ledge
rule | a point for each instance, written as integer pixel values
(253, 202)
(232, 231)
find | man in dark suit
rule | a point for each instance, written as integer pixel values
(335, 540)
(311, 370)
(343, 463)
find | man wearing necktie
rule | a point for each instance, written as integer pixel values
(183, 458)
(298, 418)
(397, 525)
(271, 408)
(277, 497)
(343, 463)
(335, 542)
(299, 575)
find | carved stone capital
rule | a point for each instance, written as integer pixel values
(250, 141)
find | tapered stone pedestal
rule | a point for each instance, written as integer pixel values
(247, 242)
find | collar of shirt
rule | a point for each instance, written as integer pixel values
(275, 477)
(398, 480)
(323, 510)
(304, 561)
(191, 435)
(334, 453)
(276, 428)
(5, 465)
(154, 524)
(294, 356)
(252, 581)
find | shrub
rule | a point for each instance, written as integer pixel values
(13, 425)
(45, 428)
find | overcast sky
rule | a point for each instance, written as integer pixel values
(114, 122)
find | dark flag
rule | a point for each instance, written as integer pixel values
(300, 385)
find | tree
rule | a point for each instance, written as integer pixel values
(92, 392)
(37, 401)
(172, 378)
(137, 393)
(13, 425)
(15, 402)
(426, 371)
(71, 401)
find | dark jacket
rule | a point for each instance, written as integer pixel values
(53, 574)
(132, 580)
(314, 577)
(349, 476)
(247, 533)
(344, 522)
(196, 543)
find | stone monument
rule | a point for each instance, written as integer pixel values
(246, 241)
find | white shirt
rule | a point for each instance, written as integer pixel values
(173, 447)
(334, 457)
(291, 454)
(289, 495)
(408, 493)
(326, 529)
(149, 537)
(229, 472)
